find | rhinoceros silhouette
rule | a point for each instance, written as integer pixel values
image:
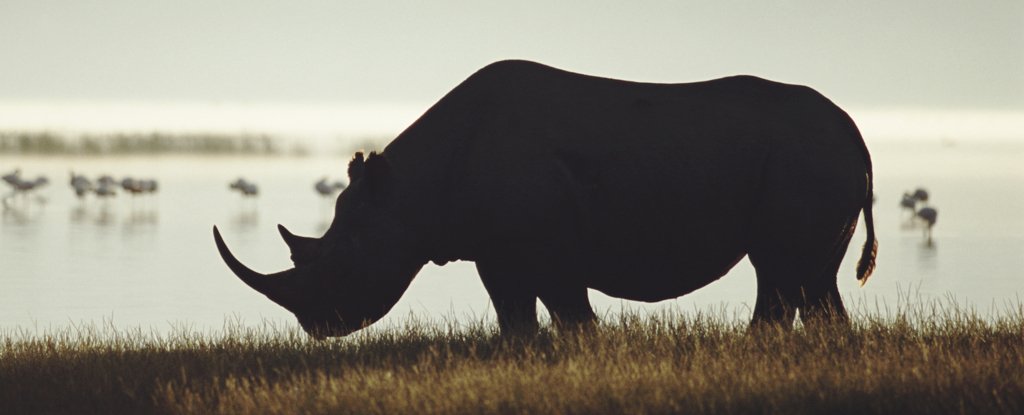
(554, 182)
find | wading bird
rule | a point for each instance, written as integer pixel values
(149, 185)
(245, 187)
(928, 215)
(138, 186)
(908, 202)
(106, 187)
(13, 177)
(326, 189)
(106, 180)
(921, 195)
(22, 186)
(81, 185)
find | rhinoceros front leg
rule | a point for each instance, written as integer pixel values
(514, 299)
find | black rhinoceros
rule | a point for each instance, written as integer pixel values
(554, 182)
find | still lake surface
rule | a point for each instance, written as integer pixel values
(150, 261)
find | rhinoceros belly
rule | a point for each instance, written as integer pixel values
(654, 276)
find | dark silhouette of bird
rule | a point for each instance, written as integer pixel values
(921, 195)
(21, 185)
(131, 186)
(245, 187)
(106, 187)
(326, 189)
(81, 185)
(106, 180)
(149, 185)
(908, 202)
(13, 177)
(137, 187)
(928, 215)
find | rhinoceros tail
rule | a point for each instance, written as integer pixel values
(866, 264)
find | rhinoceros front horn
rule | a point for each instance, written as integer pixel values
(268, 285)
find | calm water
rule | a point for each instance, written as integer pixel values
(151, 261)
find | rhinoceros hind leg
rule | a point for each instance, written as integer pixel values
(514, 301)
(821, 302)
(569, 307)
(824, 307)
(774, 306)
(796, 271)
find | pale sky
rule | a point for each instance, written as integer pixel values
(918, 54)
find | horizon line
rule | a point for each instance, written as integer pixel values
(339, 118)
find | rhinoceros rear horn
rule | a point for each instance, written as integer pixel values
(302, 248)
(271, 286)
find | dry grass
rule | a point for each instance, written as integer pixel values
(918, 362)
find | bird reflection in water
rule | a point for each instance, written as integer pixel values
(104, 214)
(18, 214)
(928, 254)
(143, 217)
(246, 217)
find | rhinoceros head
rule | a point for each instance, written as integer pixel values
(355, 273)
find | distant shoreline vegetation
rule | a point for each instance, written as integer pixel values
(51, 143)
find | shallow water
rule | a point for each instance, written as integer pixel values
(150, 261)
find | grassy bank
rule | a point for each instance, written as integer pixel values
(951, 362)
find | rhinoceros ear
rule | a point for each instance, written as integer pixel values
(374, 171)
(303, 248)
(356, 167)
